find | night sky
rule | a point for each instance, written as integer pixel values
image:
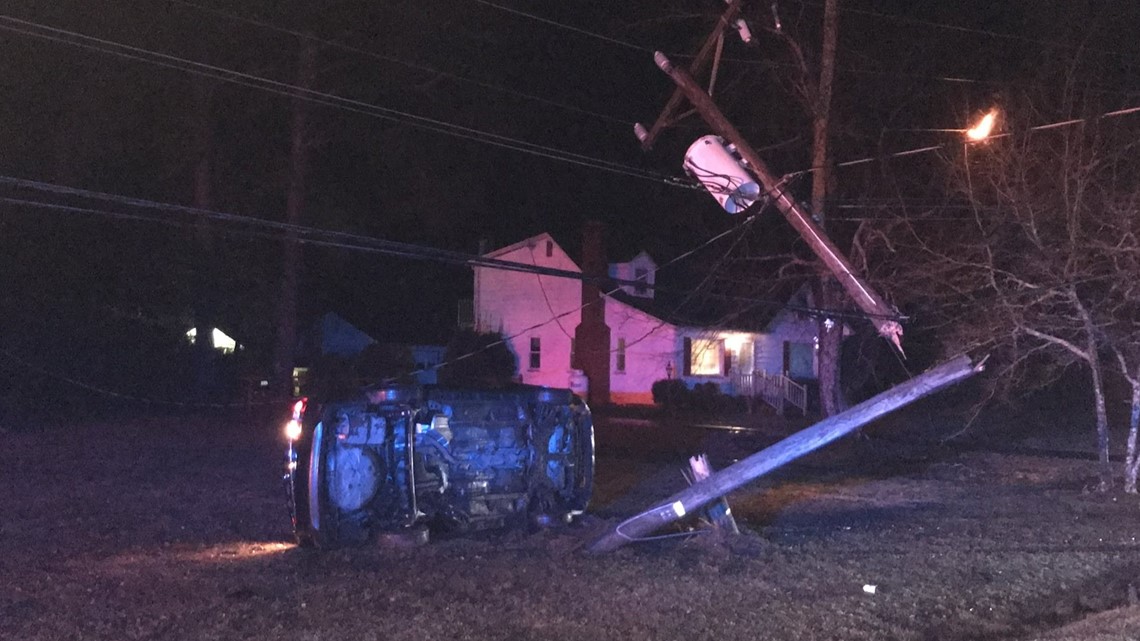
(572, 76)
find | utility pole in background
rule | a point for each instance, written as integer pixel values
(294, 206)
(830, 330)
(204, 307)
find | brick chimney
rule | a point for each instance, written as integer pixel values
(592, 336)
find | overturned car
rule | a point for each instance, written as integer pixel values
(412, 459)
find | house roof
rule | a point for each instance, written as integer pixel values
(533, 241)
(702, 316)
(679, 308)
(634, 257)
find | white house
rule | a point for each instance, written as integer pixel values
(539, 315)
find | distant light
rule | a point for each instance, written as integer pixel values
(222, 342)
(984, 128)
(293, 430)
(734, 342)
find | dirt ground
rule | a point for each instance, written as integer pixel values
(175, 528)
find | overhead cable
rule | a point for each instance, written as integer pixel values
(393, 59)
(45, 32)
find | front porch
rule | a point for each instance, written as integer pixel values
(776, 390)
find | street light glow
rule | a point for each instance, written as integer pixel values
(985, 126)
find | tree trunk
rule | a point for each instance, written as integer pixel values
(291, 250)
(830, 329)
(831, 400)
(1132, 460)
(1101, 417)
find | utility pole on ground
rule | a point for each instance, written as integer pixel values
(703, 492)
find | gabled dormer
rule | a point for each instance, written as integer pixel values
(640, 268)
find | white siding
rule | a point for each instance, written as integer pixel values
(786, 327)
(629, 271)
(525, 306)
(650, 346)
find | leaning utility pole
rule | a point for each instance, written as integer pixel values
(882, 315)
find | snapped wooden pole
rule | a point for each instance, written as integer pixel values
(807, 440)
(695, 67)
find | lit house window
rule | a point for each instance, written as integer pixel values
(535, 353)
(619, 357)
(706, 356)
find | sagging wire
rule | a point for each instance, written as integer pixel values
(743, 228)
(91, 43)
(658, 537)
(506, 339)
(546, 297)
(397, 249)
(310, 235)
(325, 237)
(389, 58)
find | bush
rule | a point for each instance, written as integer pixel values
(670, 392)
(704, 397)
(487, 361)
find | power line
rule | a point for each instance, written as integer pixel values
(311, 235)
(567, 27)
(326, 237)
(973, 30)
(921, 150)
(851, 70)
(326, 99)
(389, 58)
(749, 61)
(386, 247)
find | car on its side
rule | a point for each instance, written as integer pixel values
(404, 459)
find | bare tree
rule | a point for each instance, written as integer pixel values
(1030, 257)
(1121, 247)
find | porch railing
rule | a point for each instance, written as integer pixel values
(777, 390)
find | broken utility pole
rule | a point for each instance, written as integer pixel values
(666, 118)
(882, 315)
(807, 440)
(718, 513)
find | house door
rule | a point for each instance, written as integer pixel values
(799, 360)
